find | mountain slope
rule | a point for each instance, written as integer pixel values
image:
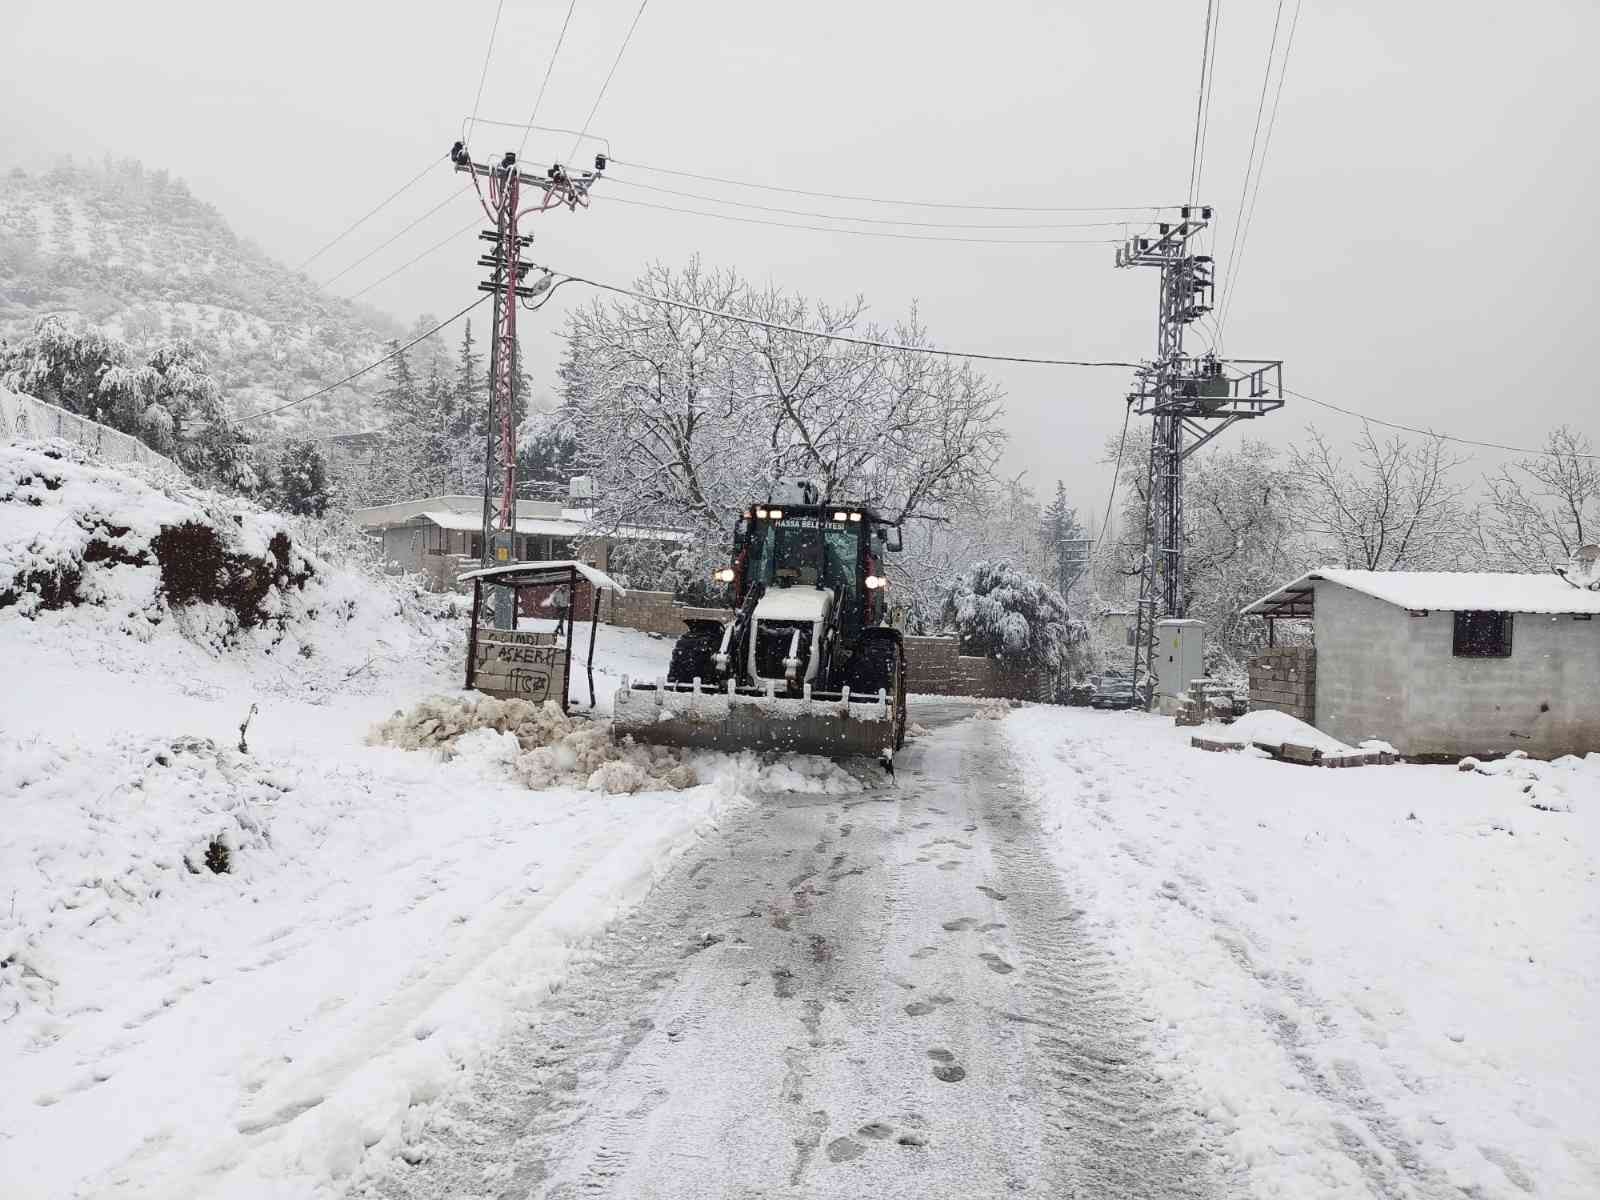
(134, 251)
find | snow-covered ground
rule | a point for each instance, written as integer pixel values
(384, 915)
(229, 973)
(1383, 980)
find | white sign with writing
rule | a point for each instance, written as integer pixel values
(519, 665)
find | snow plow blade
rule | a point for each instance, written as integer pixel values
(830, 724)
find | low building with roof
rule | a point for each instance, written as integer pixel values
(1441, 664)
(439, 537)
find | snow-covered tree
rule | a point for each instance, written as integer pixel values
(1541, 509)
(683, 416)
(302, 479)
(1242, 537)
(1062, 538)
(1397, 507)
(1000, 611)
(170, 400)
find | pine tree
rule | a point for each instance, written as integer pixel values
(302, 486)
(469, 397)
(402, 458)
(1063, 539)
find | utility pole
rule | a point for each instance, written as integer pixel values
(501, 199)
(1192, 399)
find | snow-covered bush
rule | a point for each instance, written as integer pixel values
(169, 400)
(1000, 611)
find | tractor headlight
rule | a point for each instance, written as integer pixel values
(775, 513)
(855, 516)
(841, 516)
(725, 575)
(874, 582)
(761, 514)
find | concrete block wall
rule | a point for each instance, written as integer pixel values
(1540, 699)
(655, 612)
(936, 666)
(1284, 679)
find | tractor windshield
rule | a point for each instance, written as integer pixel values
(807, 551)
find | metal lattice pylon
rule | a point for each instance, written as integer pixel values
(1190, 401)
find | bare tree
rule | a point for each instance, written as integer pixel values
(1540, 510)
(1396, 508)
(684, 416)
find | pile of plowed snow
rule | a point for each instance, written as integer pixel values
(537, 743)
(115, 552)
(542, 748)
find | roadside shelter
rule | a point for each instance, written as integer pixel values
(532, 664)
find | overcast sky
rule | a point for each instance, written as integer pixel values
(1423, 247)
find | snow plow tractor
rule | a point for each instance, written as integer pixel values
(806, 661)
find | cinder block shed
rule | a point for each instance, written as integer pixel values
(1439, 663)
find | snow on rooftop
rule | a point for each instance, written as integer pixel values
(1449, 591)
(593, 574)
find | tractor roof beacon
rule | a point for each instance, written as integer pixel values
(806, 660)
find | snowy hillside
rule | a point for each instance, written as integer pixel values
(134, 252)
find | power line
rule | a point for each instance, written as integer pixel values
(483, 76)
(383, 245)
(626, 38)
(439, 245)
(802, 212)
(359, 221)
(769, 187)
(551, 66)
(1250, 161)
(1211, 88)
(914, 237)
(532, 128)
(1350, 412)
(1116, 473)
(1199, 101)
(1272, 121)
(840, 337)
(371, 366)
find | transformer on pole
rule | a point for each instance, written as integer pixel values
(1191, 400)
(502, 203)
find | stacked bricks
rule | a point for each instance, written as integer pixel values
(1285, 679)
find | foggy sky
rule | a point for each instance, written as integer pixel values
(1422, 248)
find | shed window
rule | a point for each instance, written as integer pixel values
(1483, 635)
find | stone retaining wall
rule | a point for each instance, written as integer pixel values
(1285, 679)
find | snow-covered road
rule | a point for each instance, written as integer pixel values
(883, 994)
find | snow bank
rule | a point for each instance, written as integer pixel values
(1382, 982)
(1274, 728)
(538, 744)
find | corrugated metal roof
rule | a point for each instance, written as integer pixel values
(1448, 591)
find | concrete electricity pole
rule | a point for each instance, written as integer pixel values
(1192, 399)
(499, 187)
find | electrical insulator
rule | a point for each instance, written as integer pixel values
(458, 154)
(599, 162)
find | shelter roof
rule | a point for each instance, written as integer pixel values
(551, 571)
(1448, 591)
